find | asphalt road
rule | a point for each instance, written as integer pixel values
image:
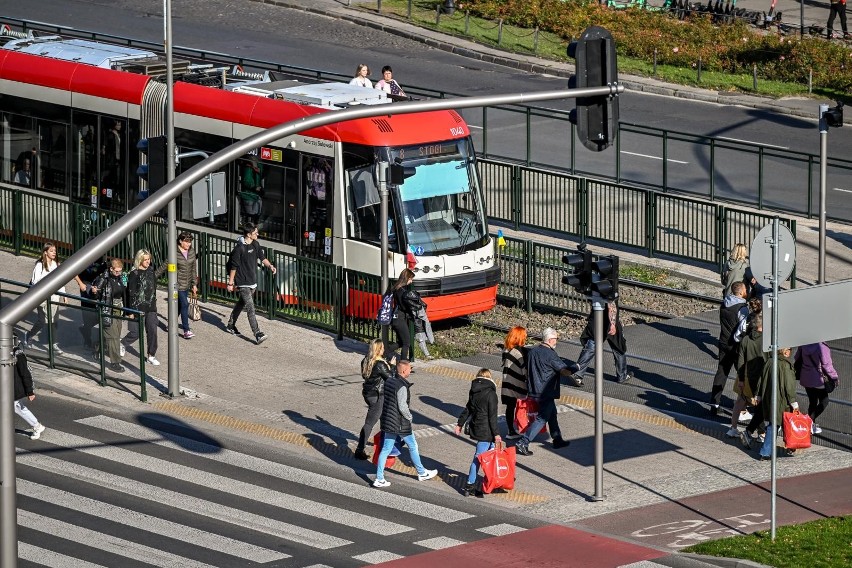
(145, 489)
(252, 29)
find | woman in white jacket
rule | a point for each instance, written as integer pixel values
(44, 266)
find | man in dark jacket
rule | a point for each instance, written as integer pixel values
(613, 334)
(733, 314)
(544, 369)
(396, 424)
(481, 413)
(242, 277)
(24, 389)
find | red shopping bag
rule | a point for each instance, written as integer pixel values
(378, 442)
(498, 467)
(526, 410)
(797, 430)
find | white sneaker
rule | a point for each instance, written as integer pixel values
(815, 429)
(381, 483)
(732, 433)
(745, 417)
(57, 350)
(153, 361)
(37, 430)
(427, 475)
(122, 350)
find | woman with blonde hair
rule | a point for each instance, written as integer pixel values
(481, 414)
(514, 375)
(46, 264)
(361, 78)
(735, 269)
(142, 296)
(375, 371)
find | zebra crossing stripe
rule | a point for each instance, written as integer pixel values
(439, 543)
(280, 471)
(148, 523)
(377, 557)
(194, 505)
(501, 530)
(107, 543)
(49, 558)
(227, 485)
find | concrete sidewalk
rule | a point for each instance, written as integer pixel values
(300, 391)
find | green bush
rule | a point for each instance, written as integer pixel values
(732, 48)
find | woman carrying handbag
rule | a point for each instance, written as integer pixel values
(817, 374)
(479, 421)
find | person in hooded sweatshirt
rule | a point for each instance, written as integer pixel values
(481, 411)
(733, 315)
(735, 269)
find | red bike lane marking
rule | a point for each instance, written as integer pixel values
(741, 510)
(544, 547)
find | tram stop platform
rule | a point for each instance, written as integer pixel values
(670, 477)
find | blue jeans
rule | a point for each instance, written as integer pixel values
(587, 356)
(474, 465)
(390, 440)
(766, 448)
(183, 307)
(546, 415)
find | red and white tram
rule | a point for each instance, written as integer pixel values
(72, 111)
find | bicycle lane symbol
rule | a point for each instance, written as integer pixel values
(692, 531)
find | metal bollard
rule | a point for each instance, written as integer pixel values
(754, 76)
(655, 61)
(438, 15)
(379, 7)
(535, 40)
(810, 80)
(500, 32)
(409, 9)
(467, 23)
(699, 69)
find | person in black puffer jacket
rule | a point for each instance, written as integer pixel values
(481, 412)
(407, 305)
(142, 296)
(396, 425)
(375, 371)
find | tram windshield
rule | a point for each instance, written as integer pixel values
(439, 202)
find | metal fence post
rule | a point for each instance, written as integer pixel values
(18, 221)
(650, 222)
(205, 272)
(793, 273)
(721, 235)
(809, 207)
(712, 168)
(342, 296)
(665, 161)
(517, 201)
(528, 116)
(485, 131)
(583, 213)
(529, 275)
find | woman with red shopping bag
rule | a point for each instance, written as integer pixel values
(786, 398)
(479, 421)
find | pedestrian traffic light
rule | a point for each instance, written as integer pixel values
(605, 277)
(580, 269)
(596, 118)
(154, 170)
(834, 116)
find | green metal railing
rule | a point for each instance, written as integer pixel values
(647, 221)
(62, 328)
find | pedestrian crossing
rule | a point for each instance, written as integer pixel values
(101, 491)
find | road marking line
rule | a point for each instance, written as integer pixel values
(439, 543)
(159, 495)
(51, 559)
(377, 557)
(841, 189)
(280, 471)
(653, 157)
(501, 529)
(148, 523)
(106, 542)
(751, 142)
(236, 487)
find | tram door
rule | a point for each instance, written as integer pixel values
(316, 208)
(316, 279)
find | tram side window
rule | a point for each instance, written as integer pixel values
(84, 163)
(272, 204)
(185, 203)
(187, 141)
(19, 150)
(364, 203)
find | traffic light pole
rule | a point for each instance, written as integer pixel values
(823, 169)
(171, 211)
(383, 223)
(598, 308)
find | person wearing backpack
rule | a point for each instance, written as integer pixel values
(480, 414)
(406, 306)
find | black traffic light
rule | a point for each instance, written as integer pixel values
(605, 277)
(834, 116)
(596, 117)
(580, 270)
(154, 171)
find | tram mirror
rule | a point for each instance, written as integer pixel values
(397, 173)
